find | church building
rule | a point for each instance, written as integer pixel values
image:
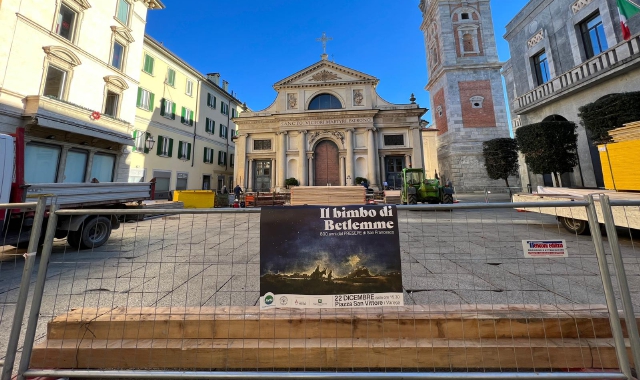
(326, 127)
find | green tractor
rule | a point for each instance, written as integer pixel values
(415, 188)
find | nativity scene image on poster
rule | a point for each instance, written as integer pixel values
(329, 251)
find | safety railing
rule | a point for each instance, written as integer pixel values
(175, 297)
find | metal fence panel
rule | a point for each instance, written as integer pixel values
(179, 292)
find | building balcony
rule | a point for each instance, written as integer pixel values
(614, 61)
(61, 115)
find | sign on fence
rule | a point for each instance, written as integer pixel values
(545, 248)
(330, 257)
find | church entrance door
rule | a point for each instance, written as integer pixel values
(327, 164)
(394, 171)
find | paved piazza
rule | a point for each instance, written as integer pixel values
(460, 257)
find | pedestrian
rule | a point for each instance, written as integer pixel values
(237, 191)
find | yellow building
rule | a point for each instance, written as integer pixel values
(186, 118)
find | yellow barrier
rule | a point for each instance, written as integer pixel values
(195, 198)
(619, 165)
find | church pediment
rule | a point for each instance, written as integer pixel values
(325, 73)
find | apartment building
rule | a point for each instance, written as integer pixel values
(565, 54)
(69, 74)
(183, 125)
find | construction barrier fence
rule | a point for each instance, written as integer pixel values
(177, 296)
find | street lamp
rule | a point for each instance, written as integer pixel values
(149, 142)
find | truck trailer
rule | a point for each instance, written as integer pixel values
(81, 231)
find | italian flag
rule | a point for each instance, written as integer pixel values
(626, 9)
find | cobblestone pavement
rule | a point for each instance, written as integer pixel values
(459, 257)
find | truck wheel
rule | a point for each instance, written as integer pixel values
(412, 199)
(447, 199)
(575, 226)
(94, 233)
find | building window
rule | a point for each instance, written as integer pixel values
(224, 131)
(394, 140)
(210, 126)
(593, 37)
(224, 108)
(234, 113)
(54, 84)
(140, 141)
(149, 62)
(165, 147)
(184, 150)
(222, 158)
(102, 167)
(123, 12)
(541, 67)
(187, 116)
(208, 155)
(41, 163)
(118, 55)
(182, 181)
(231, 158)
(168, 109)
(189, 88)
(66, 22)
(325, 102)
(75, 166)
(211, 101)
(111, 104)
(261, 144)
(464, 16)
(145, 99)
(171, 77)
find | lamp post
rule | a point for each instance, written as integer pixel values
(149, 142)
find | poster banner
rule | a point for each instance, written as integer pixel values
(545, 248)
(330, 257)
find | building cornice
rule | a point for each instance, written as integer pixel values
(446, 69)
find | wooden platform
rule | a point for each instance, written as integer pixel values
(463, 337)
(328, 195)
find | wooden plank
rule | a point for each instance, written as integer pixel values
(540, 354)
(328, 195)
(252, 323)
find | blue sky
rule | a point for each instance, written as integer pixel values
(253, 44)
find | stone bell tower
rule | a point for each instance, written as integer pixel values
(467, 98)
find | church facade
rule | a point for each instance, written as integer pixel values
(327, 127)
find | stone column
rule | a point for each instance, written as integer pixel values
(241, 161)
(371, 158)
(282, 160)
(407, 160)
(342, 175)
(273, 174)
(302, 150)
(418, 154)
(349, 159)
(311, 170)
(249, 186)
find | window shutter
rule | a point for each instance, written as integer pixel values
(184, 111)
(209, 100)
(191, 118)
(220, 133)
(214, 101)
(135, 142)
(170, 147)
(173, 111)
(146, 136)
(204, 158)
(151, 64)
(188, 151)
(180, 144)
(159, 148)
(152, 103)
(139, 101)
(231, 160)
(163, 102)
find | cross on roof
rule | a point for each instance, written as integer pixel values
(324, 39)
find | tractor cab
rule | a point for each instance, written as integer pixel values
(415, 188)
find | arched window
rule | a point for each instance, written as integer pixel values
(325, 102)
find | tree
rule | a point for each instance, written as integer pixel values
(549, 147)
(501, 158)
(609, 112)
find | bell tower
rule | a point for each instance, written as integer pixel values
(465, 85)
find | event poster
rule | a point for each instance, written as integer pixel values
(330, 257)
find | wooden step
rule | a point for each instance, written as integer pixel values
(419, 322)
(388, 353)
(328, 195)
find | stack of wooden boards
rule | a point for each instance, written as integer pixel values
(473, 337)
(328, 195)
(392, 197)
(630, 131)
